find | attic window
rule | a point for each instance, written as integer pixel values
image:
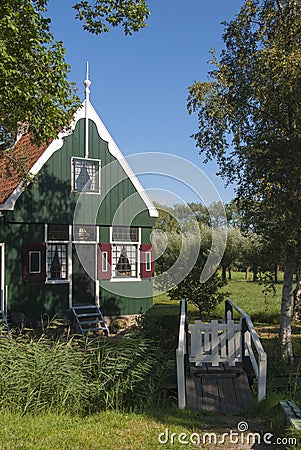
(85, 175)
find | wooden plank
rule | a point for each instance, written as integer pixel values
(292, 413)
(207, 339)
(210, 395)
(214, 342)
(231, 343)
(228, 400)
(243, 392)
(192, 399)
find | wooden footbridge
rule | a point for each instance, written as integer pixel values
(216, 363)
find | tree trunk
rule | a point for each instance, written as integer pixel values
(286, 309)
(297, 297)
(201, 312)
(224, 273)
(255, 274)
(247, 273)
(229, 273)
(276, 273)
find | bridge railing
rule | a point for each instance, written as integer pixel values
(251, 346)
(181, 352)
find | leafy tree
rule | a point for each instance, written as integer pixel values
(252, 101)
(206, 296)
(98, 16)
(232, 251)
(35, 94)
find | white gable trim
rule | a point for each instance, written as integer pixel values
(56, 144)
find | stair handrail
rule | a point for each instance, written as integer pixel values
(180, 356)
(249, 335)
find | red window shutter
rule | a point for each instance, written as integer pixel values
(34, 262)
(147, 260)
(104, 264)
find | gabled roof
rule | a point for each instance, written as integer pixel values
(11, 187)
(23, 151)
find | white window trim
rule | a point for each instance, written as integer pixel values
(67, 243)
(40, 261)
(91, 241)
(148, 261)
(104, 261)
(72, 175)
(137, 244)
(3, 296)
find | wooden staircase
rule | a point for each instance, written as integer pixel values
(89, 318)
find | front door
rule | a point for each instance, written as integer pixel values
(83, 274)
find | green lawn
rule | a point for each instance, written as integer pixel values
(262, 306)
(113, 430)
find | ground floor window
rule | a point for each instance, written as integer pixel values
(57, 261)
(124, 260)
(125, 254)
(57, 237)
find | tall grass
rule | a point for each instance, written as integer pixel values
(40, 374)
(74, 376)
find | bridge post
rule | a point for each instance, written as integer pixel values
(181, 356)
(244, 330)
(228, 311)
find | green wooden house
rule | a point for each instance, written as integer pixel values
(80, 233)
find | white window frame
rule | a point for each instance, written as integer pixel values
(3, 296)
(137, 246)
(148, 261)
(30, 261)
(92, 160)
(58, 242)
(83, 241)
(104, 261)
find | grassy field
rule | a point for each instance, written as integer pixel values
(114, 430)
(262, 305)
(124, 430)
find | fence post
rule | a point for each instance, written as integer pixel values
(262, 378)
(181, 355)
(228, 311)
(244, 329)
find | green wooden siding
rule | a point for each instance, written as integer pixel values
(50, 200)
(33, 299)
(136, 298)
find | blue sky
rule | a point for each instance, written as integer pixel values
(140, 82)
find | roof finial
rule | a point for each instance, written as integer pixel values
(87, 82)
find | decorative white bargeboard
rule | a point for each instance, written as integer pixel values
(215, 343)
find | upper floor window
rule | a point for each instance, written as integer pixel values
(85, 175)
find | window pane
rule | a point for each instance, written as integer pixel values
(148, 261)
(58, 232)
(104, 261)
(86, 175)
(34, 262)
(127, 234)
(57, 261)
(84, 233)
(124, 260)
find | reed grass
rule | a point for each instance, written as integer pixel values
(77, 376)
